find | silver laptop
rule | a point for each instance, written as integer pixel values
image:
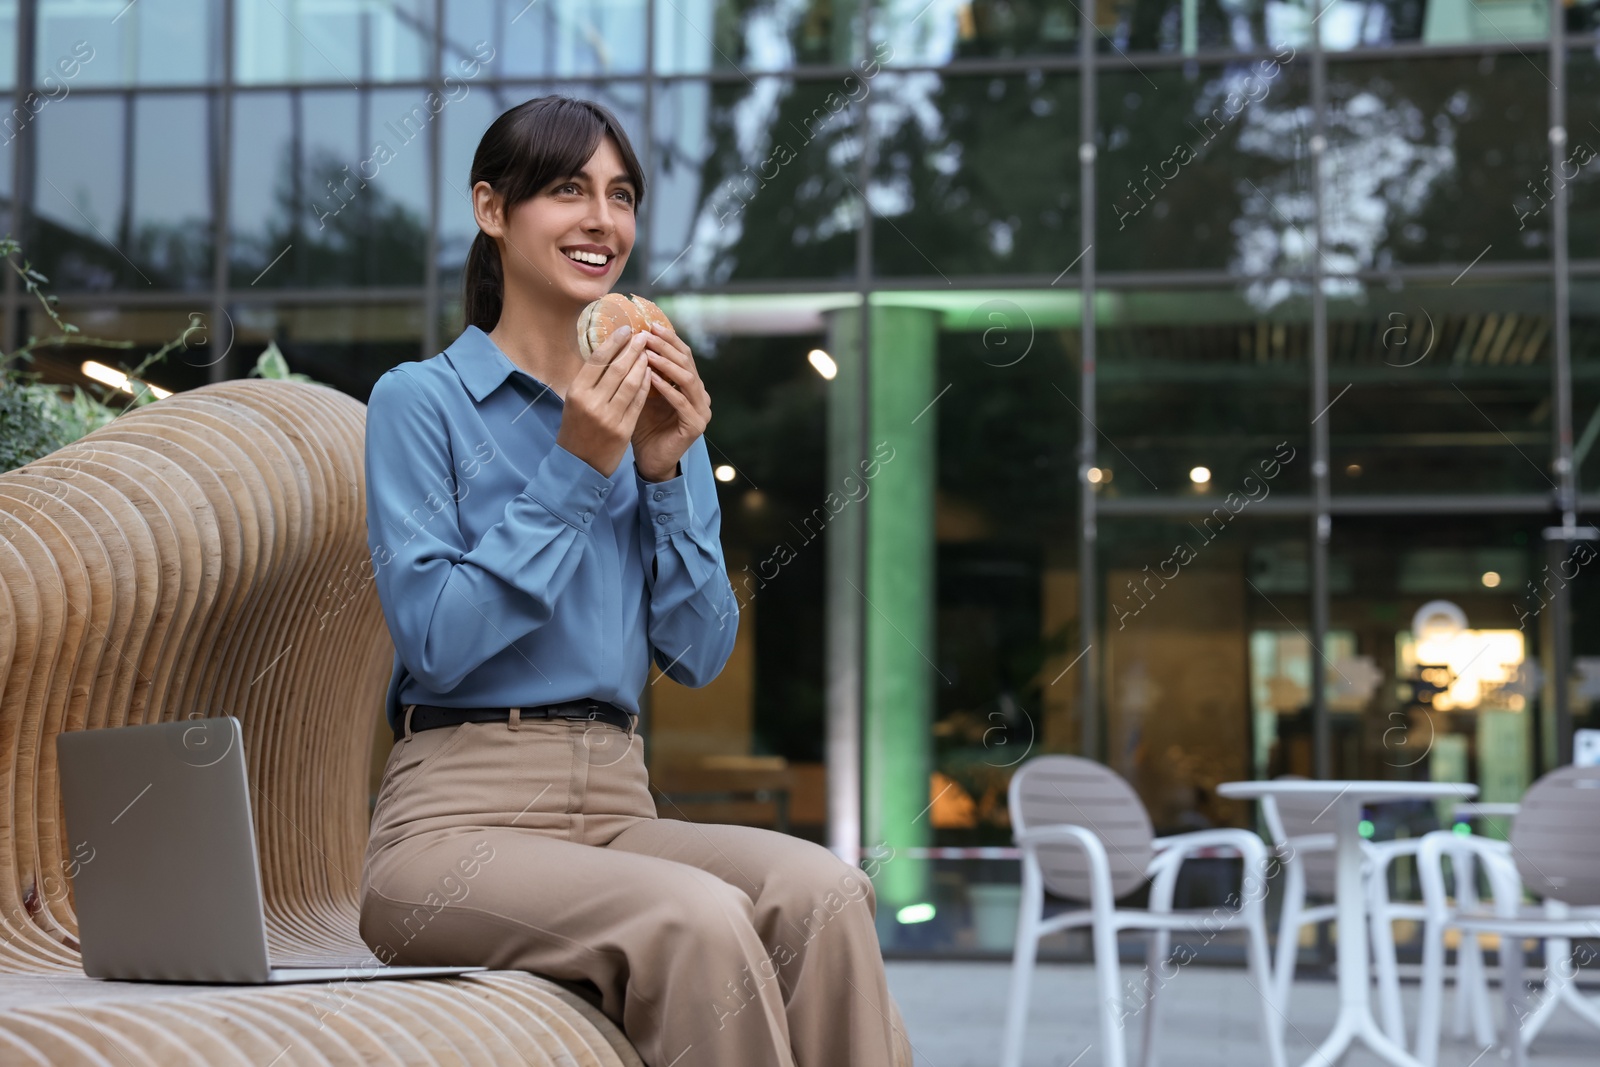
(163, 859)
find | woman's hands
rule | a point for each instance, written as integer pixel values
(604, 400)
(639, 387)
(677, 409)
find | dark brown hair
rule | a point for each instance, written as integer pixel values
(521, 152)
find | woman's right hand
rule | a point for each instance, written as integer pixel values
(604, 400)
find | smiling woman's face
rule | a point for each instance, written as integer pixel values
(590, 213)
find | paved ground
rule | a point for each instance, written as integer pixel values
(955, 1011)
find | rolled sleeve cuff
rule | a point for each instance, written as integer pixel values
(569, 488)
(666, 507)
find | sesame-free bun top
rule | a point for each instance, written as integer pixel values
(605, 316)
(650, 312)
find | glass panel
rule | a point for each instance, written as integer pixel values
(106, 42)
(753, 182)
(80, 237)
(1005, 522)
(350, 209)
(347, 347)
(1203, 396)
(1577, 567)
(1215, 25)
(348, 41)
(1441, 389)
(1204, 659)
(8, 135)
(1584, 305)
(1206, 169)
(556, 38)
(1445, 676)
(749, 36)
(262, 198)
(1429, 159)
(462, 129)
(919, 32)
(1578, 169)
(8, 55)
(108, 223)
(1207, 25)
(1493, 22)
(975, 175)
(172, 196)
(1125, 26)
(995, 440)
(1582, 20)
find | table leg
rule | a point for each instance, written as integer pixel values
(1355, 1021)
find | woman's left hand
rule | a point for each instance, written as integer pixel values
(677, 410)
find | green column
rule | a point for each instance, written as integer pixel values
(881, 623)
(899, 632)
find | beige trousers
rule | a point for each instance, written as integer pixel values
(536, 846)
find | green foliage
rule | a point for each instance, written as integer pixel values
(271, 364)
(31, 423)
(36, 418)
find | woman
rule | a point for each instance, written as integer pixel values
(540, 526)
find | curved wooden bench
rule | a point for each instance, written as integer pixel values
(207, 554)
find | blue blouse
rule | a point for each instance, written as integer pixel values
(512, 573)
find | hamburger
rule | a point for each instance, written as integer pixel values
(605, 316)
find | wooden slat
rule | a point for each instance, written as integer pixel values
(179, 561)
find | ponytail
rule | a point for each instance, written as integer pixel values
(485, 286)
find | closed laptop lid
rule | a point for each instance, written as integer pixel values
(165, 878)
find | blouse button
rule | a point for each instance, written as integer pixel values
(662, 519)
(587, 516)
(659, 494)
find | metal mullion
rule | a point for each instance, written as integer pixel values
(855, 720)
(835, 72)
(641, 251)
(1048, 63)
(432, 298)
(1397, 504)
(221, 205)
(1321, 519)
(1566, 495)
(1107, 280)
(1088, 562)
(22, 157)
(645, 245)
(165, 297)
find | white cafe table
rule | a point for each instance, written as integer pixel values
(1344, 816)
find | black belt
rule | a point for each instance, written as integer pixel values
(430, 716)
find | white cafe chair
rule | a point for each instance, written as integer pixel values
(1471, 977)
(1553, 853)
(1472, 1007)
(1085, 836)
(1304, 846)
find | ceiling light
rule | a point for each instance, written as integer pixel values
(724, 472)
(1200, 475)
(1491, 579)
(823, 362)
(915, 913)
(1096, 475)
(118, 380)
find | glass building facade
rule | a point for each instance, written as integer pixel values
(1203, 386)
